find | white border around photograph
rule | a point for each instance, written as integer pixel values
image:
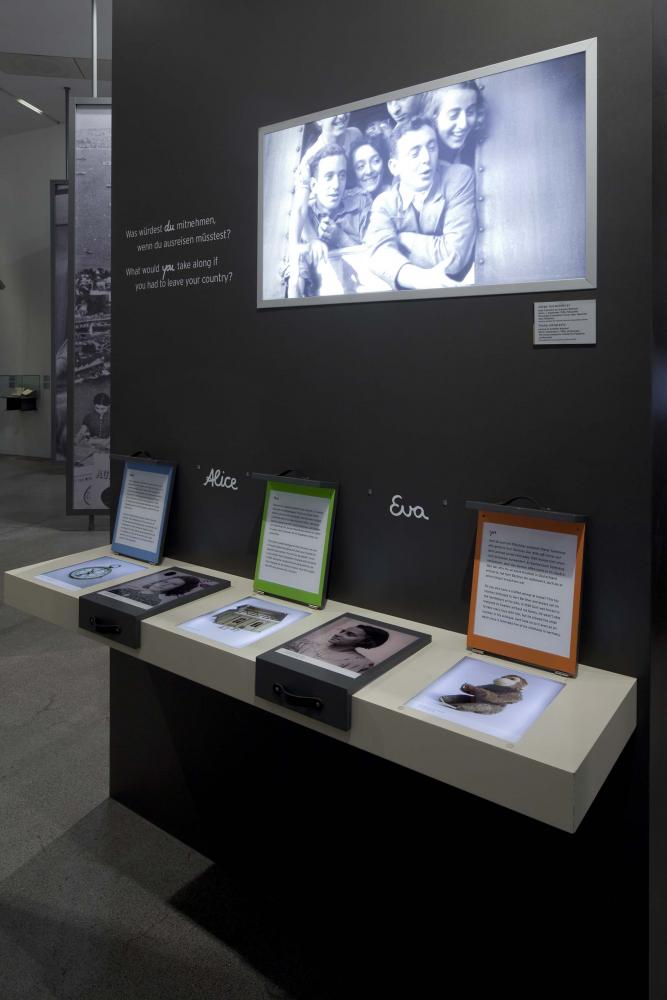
(243, 622)
(87, 574)
(506, 703)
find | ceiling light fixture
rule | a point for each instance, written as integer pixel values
(26, 104)
(38, 111)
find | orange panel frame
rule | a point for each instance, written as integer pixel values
(526, 654)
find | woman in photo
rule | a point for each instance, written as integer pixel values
(165, 587)
(368, 158)
(342, 648)
(367, 177)
(458, 114)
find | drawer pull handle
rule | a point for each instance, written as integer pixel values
(296, 699)
(104, 629)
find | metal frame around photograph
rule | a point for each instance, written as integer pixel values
(320, 672)
(74, 103)
(589, 48)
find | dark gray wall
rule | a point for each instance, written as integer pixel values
(658, 769)
(434, 399)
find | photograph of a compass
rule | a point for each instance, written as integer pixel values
(78, 576)
(92, 572)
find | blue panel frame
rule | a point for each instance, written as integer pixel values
(161, 468)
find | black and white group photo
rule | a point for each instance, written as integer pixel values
(478, 182)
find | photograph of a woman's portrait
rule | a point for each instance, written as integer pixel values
(164, 587)
(351, 646)
(458, 186)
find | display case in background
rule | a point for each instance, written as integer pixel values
(20, 392)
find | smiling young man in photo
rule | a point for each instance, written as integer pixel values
(421, 232)
(335, 218)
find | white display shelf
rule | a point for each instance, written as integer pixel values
(552, 774)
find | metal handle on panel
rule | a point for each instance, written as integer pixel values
(296, 699)
(104, 629)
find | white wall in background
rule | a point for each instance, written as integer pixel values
(28, 162)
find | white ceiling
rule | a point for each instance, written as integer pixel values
(56, 28)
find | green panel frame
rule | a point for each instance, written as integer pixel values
(315, 599)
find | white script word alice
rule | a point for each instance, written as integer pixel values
(217, 477)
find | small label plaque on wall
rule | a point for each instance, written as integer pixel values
(571, 322)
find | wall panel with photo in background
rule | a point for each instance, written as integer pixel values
(89, 399)
(59, 305)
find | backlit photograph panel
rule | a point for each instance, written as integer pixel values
(472, 184)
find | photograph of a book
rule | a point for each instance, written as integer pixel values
(351, 645)
(487, 697)
(85, 574)
(166, 587)
(243, 622)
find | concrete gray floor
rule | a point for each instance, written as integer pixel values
(85, 884)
